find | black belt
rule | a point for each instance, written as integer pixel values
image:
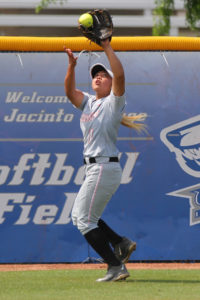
(92, 160)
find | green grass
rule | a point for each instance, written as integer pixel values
(81, 285)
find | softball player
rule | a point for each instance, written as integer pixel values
(100, 120)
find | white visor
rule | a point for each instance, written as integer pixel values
(99, 67)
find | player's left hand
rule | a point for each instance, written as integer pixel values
(102, 27)
(72, 58)
(105, 43)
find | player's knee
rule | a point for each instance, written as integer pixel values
(74, 219)
(77, 222)
(84, 226)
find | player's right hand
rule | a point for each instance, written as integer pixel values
(72, 58)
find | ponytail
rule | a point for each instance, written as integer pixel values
(130, 121)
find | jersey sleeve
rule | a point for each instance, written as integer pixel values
(117, 103)
(85, 99)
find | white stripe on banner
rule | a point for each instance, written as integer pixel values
(69, 139)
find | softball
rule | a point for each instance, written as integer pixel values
(86, 20)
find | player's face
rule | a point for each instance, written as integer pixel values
(102, 82)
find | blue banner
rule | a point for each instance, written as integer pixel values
(41, 163)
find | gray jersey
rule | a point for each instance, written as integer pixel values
(99, 123)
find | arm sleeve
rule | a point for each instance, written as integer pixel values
(85, 99)
(117, 103)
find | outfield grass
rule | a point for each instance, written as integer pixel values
(81, 285)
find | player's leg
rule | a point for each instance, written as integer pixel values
(100, 183)
(98, 240)
(123, 247)
(116, 270)
(112, 236)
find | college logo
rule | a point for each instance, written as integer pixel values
(192, 193)
(184, 140)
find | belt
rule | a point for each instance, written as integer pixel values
(93, 160)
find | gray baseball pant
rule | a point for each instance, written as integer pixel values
(101, 182)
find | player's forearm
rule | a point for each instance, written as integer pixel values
(114, 61)
(70, 85)
(74, 95)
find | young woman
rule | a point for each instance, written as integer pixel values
(100, 120)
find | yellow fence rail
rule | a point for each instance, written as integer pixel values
(56, 44)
